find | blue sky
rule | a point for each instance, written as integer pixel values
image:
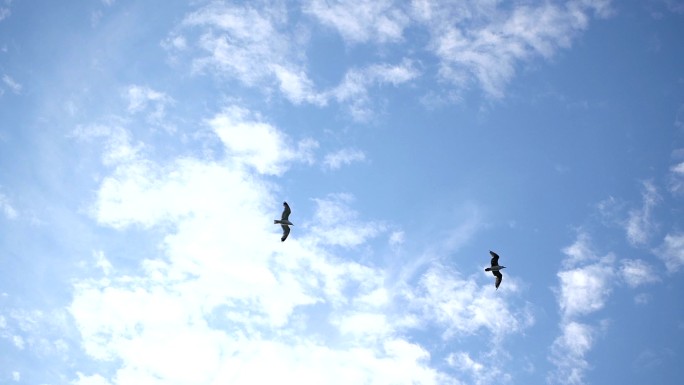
(146, 147)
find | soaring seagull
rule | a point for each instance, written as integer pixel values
(284, 221)
(495, 268)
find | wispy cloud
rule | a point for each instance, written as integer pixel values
(6, 207)
(584, 290)
(637, 272)
(677, 178)
(354, 87)
(142, 98)
(225, 293)
(672, 251)
(462, 307)
(252, 142)
(13, 85)
(4, 13)
(486, 42)
(345, 156)
(378, 21)
(586, 282)
(568, 353)
(220, 291)
(256, 44)
(335, 223)
(640, 223)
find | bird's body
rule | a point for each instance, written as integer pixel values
(495, 268)
(284, 221)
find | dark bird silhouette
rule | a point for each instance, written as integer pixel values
(495, 268)
(285, 221)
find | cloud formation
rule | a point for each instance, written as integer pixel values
(221, 292)
(672, 251)
(345, 156)
(256, 44)
(586, 282)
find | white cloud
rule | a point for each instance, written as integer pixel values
(141, 97)
(4, 13)
(584, 290)
(586, 282)
(345, 156)
(672, 252)
(378, 21)
(579, 252)
(16, 376)
(251, 44)
(6, 208)
(118, 147)
(568, 353)
(252, 142)
(488, 42)
(335, 223)
(637, 272)
(221, 292)
(642, 299)
(640, 224)
(13, 85)
(677, 178)
(397, 238)
(297, 87)
(463, 307)
(90, 380)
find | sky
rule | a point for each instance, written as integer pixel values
(146, 148)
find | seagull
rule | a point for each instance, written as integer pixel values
(495, 268)
(284, 222)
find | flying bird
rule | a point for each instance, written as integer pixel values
(284, 221)
(495, 268)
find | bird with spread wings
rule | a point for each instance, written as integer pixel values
(285, 221)
(495, 269)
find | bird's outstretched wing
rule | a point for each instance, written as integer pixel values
(286, 212)
(286, 232)
(499, 277)
(495, 258)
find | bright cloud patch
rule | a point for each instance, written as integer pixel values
(473, 42)
(222, 297)
(462, 307)
(258, 144)
(586, 282)
(12, 84)
(342, 157)
(6, 208)
(639, 224)
(484, 41)
(672, 252)
(361, 21)
(637, 272)
(568, 352)
(584, 290)
(337, 224)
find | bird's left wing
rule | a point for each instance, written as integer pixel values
(286, 211)
(495, 258)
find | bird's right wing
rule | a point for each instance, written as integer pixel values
(286, 232)
(499, 277)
